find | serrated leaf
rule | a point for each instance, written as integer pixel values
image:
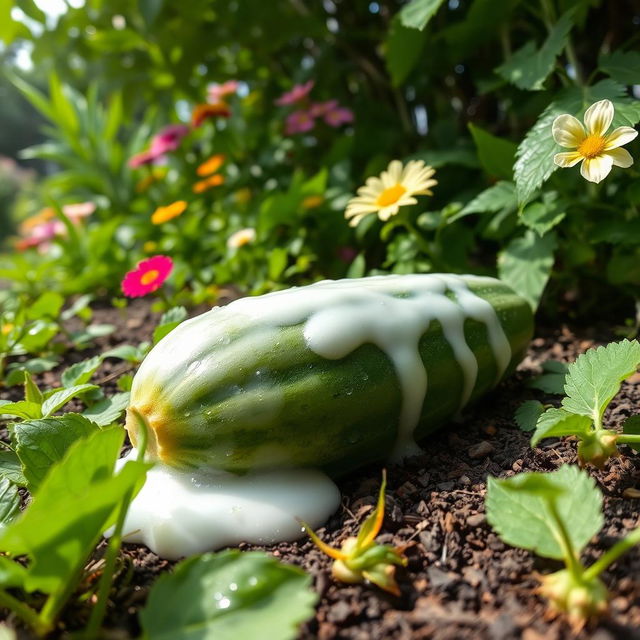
(526, 263)
(9, 501)
(226, 596)
(499, 196)
(527, 414)
(77, 501)
(544, 216)
(555, 423)
(11, 468)
(496, 154)
(80, 372)
(632, 426)
(42, 443)
(403, 49)
(417, 13)
(522, 518)
(622, 66)
(595, 377)
(109, 410)
(529, 67)
(60, 397)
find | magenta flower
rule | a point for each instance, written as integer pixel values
(319, 109)
(147, 277)
(218, 91)
(298, 93)
(168, 139)
(298, 122)
(338, 116)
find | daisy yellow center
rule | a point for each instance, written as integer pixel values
(149, 276)
(591, 146)
(390, 195)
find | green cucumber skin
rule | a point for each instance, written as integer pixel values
(262, 399)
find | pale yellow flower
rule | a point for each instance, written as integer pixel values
(395, 188)
(597, 150)
(241, 238)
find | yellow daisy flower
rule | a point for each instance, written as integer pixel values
(162, 214)
(394, 188)
(597, 150)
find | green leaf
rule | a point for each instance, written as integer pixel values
(632, 426)
(60, 397)
(403, 49)
(9, 501)
(109, 410)
(77, 501)
(555, 423)
(168, 322)
(417, 13)
(496, 154)
(622, 66)
(22, 409)
(42, 443)
(80, 372)
(595, 377)
(526, 263)
(11, 468)
(529, 67)
(517, 508)
(527, 414)
(278, 259)
(31, 391)
(150, 9)
(436, 158)
(501, 195)
(48, 305)
(127, 352)
(226, 596)
(544, 216)
(80, 307)
(552, 380)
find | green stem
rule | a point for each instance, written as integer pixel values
(115, 542)
(613, 554)
(628, 438)
(28, 614)
(570, 557)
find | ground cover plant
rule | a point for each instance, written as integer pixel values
(163, 157)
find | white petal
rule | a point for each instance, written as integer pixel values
(596, 169)
(393, 173)
(619, 136)
(568, 131)
(621, 157)
(567, 159)
(387, 212)
(598, 117)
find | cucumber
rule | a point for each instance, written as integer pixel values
(333, 375)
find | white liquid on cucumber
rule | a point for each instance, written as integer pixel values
(392, 312)
(179, 513)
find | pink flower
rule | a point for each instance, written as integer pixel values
(338, 116)
(218, 91)
(319, 109)
(41, 236)
(75, 212)
(298, 93)
(298, 122)
(147, 277)
(168, 139)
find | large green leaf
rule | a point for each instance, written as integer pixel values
(595, 377)
(496, 154)
(499, 196)
(226, 596)
(518, 509)
(403, 48)
(545, 215)
(9, 501)
(60, 397)
(526, 263)
(108, 410)
(417, 13)
(622, 66)
(529, 67)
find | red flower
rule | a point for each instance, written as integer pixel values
(147, 277)
(202, 112)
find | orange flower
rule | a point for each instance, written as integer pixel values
(211, 165)
(173, 210)
(212, 181)
(203, 112)
(311, 202)
(43, 216)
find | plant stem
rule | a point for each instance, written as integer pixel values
(613, 554)
(572, 561)
(628, 438)
(28, 614)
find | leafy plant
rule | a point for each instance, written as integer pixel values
(555, 515)
(591, 383)
(360, 558)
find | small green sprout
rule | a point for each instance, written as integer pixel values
(360, 558)
(590, 384)
(555, 515)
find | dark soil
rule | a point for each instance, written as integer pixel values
(462, 581)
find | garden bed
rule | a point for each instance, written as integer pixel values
(462, 581)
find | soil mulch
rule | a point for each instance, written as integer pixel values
(462, 581)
